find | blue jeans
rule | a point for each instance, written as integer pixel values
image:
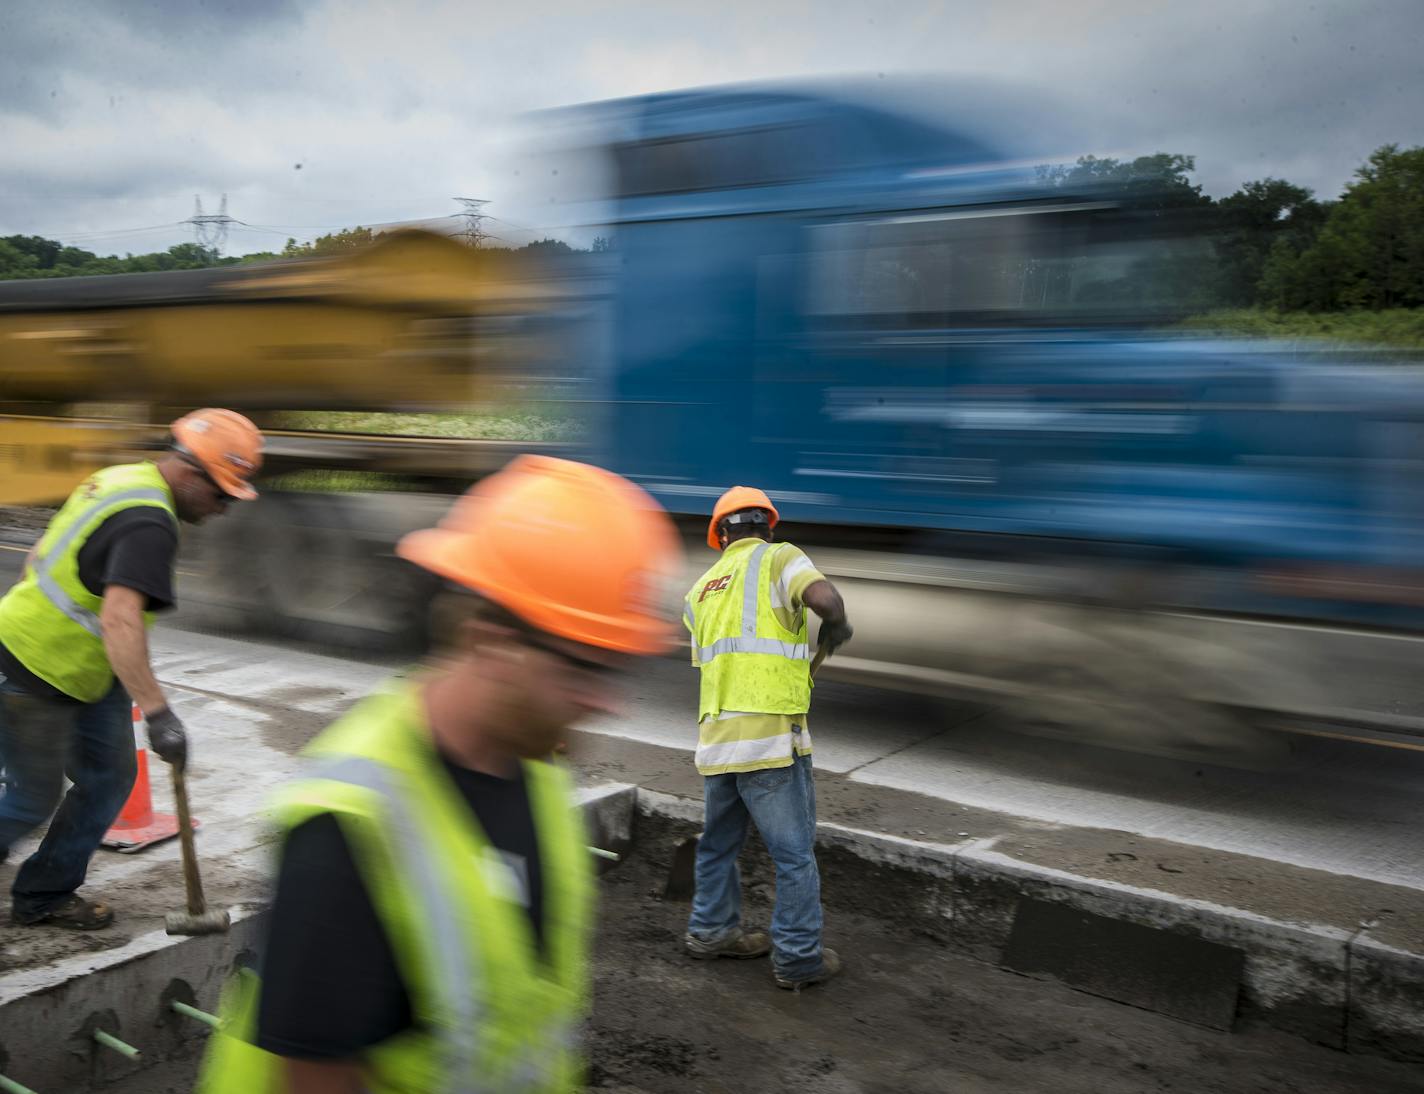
(782, 802)
(42, 742)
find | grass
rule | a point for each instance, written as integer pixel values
(343, 482)
(1395, 328)
(505, 425)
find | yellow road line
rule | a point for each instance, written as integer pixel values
(1337, 735)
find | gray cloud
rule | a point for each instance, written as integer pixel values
(113, 114)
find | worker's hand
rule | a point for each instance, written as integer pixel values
(834, 635)
(167, 737)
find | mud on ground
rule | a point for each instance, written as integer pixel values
(907, 1017)
(141, 903)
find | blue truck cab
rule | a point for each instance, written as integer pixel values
(893, 330)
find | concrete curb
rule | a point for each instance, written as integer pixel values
(1341, 989)
(47, 1013)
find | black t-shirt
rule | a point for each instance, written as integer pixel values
(134, 548)
(330, 984)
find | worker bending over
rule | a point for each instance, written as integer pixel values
(74, 653)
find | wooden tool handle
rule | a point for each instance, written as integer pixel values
(191, 881)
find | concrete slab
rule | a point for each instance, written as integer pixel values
(1172, 974)
(1386, 1011)
(911, 826)
(1311, 809)
(1294, 976)
(47, 1010)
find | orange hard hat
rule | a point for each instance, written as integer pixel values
(573, 550)
(226, 444)
(734, 501)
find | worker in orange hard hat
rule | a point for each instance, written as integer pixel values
(432, 907)
(747, 616)
(74, 652)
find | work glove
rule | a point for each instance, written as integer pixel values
(167, 737)
(834, 635)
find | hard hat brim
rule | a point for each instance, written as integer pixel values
(444, 552)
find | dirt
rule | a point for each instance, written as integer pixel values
(907, 1016)
(291, 730)
(141, 903)
(1273, 889)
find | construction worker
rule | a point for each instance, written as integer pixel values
(74, 653)
(430, 919)
(747, 615)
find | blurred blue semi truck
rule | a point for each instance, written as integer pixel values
(957, 377)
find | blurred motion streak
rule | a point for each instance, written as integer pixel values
(952, 373)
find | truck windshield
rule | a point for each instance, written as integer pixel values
(1005, 266)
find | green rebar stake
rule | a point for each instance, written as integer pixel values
(108, 1040)
(201, 1015)
(9, 1086)
(599, 852)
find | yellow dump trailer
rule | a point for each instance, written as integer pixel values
(392, 327)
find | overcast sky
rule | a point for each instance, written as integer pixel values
(115, 113)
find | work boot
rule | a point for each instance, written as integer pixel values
(830, 965)
(740, 945)
(73, 912)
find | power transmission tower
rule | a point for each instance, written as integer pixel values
(210, 229)
(474, 233)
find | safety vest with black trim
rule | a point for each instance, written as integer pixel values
(490, 1015)
(750, 662)
(49, 621)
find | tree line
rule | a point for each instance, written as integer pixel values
(23, 256)
(1276, 245)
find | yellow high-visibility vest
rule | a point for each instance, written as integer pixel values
(751, 663)
(49, 620)
(490, 1015)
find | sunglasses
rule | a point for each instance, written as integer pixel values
(601, 669)
(207, 478)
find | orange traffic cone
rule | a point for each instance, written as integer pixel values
(138, 825)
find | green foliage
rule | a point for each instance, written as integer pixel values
(34, 256)
(1270, 244)
(508, 424)
(1158, 181)
(1261, 217)
(1369, 253)
(1400, 328)
(547, 247)
(350, 239)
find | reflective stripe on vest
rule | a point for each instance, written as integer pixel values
(796, 651)
(489, 1013)
(49, 620)
(740, 753)
(749, 661)
(42, 567)
(457, 1045)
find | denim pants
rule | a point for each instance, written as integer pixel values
(782, 803)
(42, 742)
